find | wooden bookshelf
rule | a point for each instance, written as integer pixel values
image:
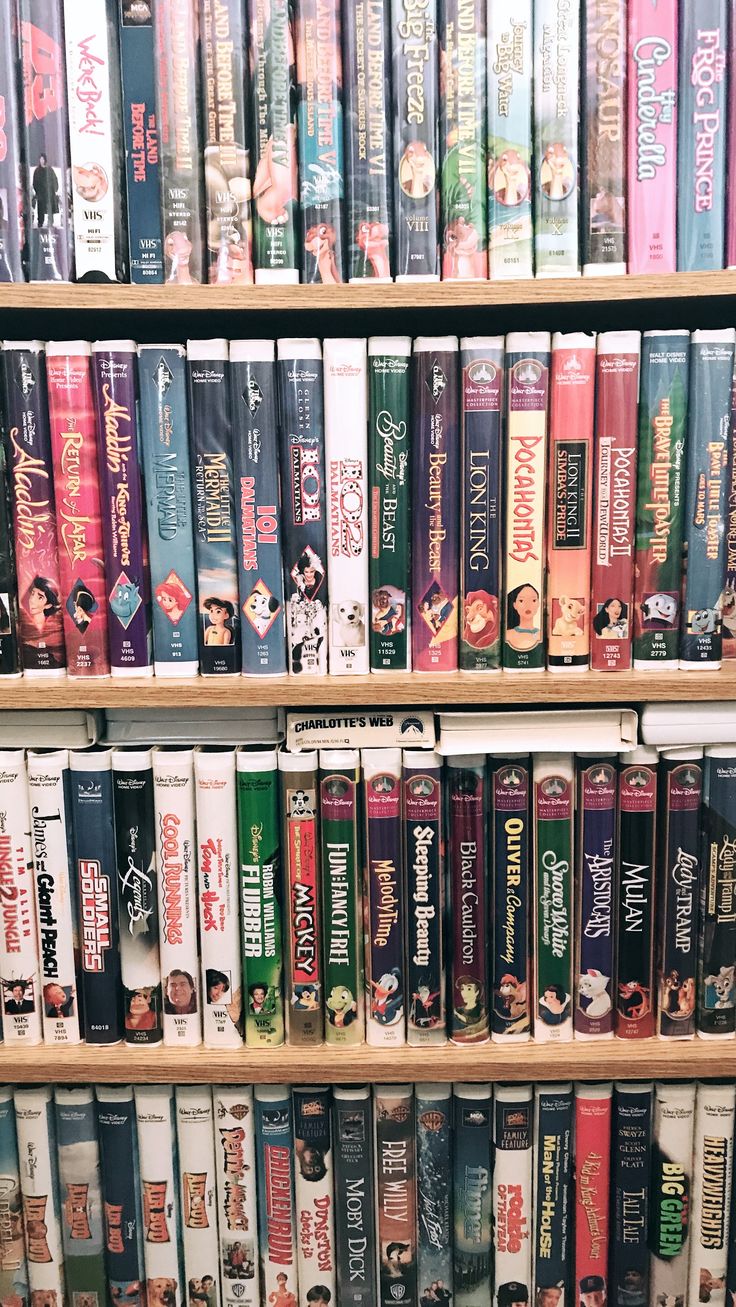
(645, 1060)
(169, 312)
(455, 689)
(106, 299)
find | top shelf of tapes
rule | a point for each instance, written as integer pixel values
(441, 295)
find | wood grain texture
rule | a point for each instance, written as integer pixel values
(583, 290)
(649, 1059)
(394, 688)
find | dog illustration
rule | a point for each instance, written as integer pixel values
(678, 1000)
(348, 624)
(513, 996)
(723, 984)
(259, 609)
(43, 1298)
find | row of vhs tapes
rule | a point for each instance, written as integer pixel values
(379, 896)
(267, 1196)
(190, 141)
(374, 505)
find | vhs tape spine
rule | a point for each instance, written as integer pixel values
(96, 142)
(176, 30)
(12, 236)
(91, 806)
(339, 787)
(273, 113)
(235, 1168)
(320, 140)
(176, 858)
(304, 987)
(660, 497)
(513, 1141)
(716, 1017)
(527, 386)
(472, 1131)
(229, 244)
(259, 844)
(114, 369)
(711, 1192)
(277, 1232)
(368, 143)
(84, 591)
(433, 1116)
(467, 804)
(614, 506)
(556, 137)
(14, 1283)
(435, 503)
(482, 409)
(157, 1150)
(48, 790)
(346, 488)
(304, 514)
(137, 875)
(509, 73)
(197, 1189)
(635, 880)
(570, 501)
(19, 960)
(595, 931)
(425, 895)
(214, 508)
(706, 498)
(10, 659)
(121, 1192)
(355, 1195)
(35, 1122)
(258, 506)
(48, 200)
(164, 430)
(384, 899)
(604, 219)
(728, 627)
(553, 1197)
(463, 188)
(509, 785)
(389, 450)
(218, 889)
(631, 1139)
(592, 1188)
(416, 95)
(554, 805)
(80, 1188)
(652, 135)
(30, 471)
(678, 890)
(396, 1195)
(140, 129)
(701, 137)
(671, 1191)
(314, 1194)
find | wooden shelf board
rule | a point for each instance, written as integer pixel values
(108, 298)
(393, 688)
(650, 1059)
